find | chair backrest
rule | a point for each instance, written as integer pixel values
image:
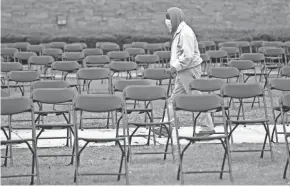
(272, 44)
(223, 72)
(15, 105)
(35, 48)
(54, 52)
(50, 84)
(24, 55)
(243, 44)
(23, 76)
(152, 46)
(57, 45)
(285, 71)
(73, 56)
(122, 66)
(230, 50)
(120, 85)
(52, 95)
(93, 73)
(216, 54)
(96, 60)
(144, 93)
(242, 90)
(206, 85)
(229, 44)
(11, 66)
(135, 51)
(75, 47)
(40, 60)
(285, 101)
(257, 43)
(255, 57)
(280, 84)
(138, 44)
(156, 74)
(208, 44)
(65, 66)
(118, 55)
(98, 103)
(4, 94)
(22, 46)
(242, 64)
(8, 52)
(127, 46)
(197, 103)
(99, 44)
(147, 58)
(274, 51)
(107, 47)
(163, 54)
(92, 52)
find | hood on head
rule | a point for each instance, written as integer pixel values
(176, 16)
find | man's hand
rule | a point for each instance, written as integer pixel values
(171, 71)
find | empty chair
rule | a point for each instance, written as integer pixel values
(36, 48)
(73, 56)
(17, 105)
(148, 94)
(22, 46)
(164, 57)
(96, 61)
(217, 57)
(108, 47)
(8, 67)
(285, 71)
(209, 45)
(138, 44)
(167, 46)
(44, 62)
(229, 44)
(99, 44)
(242, 66)
(100, 104)
(57, 45)
(205, 61)
(224, 73)
(146, 60)
(277, 44)
(232, 52)
(133, 52)
(201, 104)
(127, 46)
(118, 55)
(123, 66)
(75, 47)
(273, 60)
(244, 47)
(284, 109)
(8, 53)
(56, 53)
(256, 45)
(92, 52)
(23, 57)
(150, 48)
(21, 78)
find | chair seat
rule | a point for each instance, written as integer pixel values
(249, 121)
(102, 140)
(16, 141)
(148, 123)
(253, 74)
(203, 138)
(56, 112)
(54, 126)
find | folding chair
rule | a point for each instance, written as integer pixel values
(5, 94)
(96, 61)
(256, 45)
(118, 55)
(228, 44)
(87, 75)
(23, 57)
(45, 97)
(244, 47)
(7, 67)
(92, 52)
(164, 57)
(57, 45)
(44, 62)
(75, 47)
(284, 109)
(205, 61)
(209, 45)
(22, 46)
(273, 60)
(133, 52)
(150, 48)
(73, 56)
(36, 49)
(241, 92)
(99, 44)
(8, 54)
(138, 44)
(148, 94)
(217, 57)
(282, 85)
(100, 104)
(108, 47)
(226, 73)
(277, 44)
(56, 53)
(125, 46)
(201, 104)
(232, 52)
(123, 66)
(9, 107)
(242, 66)
(287, 50)
(22, 77)
(146, 61)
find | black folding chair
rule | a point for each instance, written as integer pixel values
(200, 104)
(100, 104)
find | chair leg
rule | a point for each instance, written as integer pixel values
(285, 169)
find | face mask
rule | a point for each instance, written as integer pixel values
(168, 24)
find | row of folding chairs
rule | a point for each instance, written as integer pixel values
(144, 92)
